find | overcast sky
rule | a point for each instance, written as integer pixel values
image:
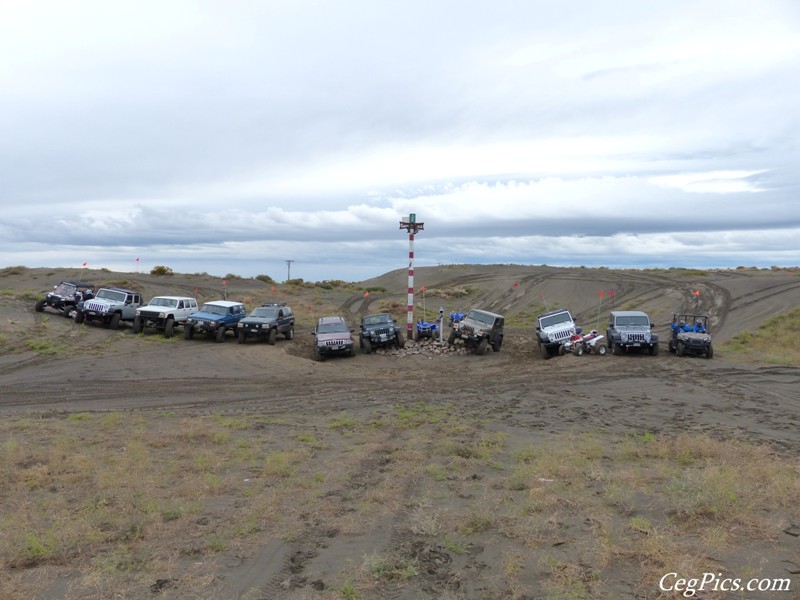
(228, 137)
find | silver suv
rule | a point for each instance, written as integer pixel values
(553, 328)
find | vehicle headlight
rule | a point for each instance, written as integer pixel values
(264, 326)
(647, 337)
(624, 337)
(162, 315)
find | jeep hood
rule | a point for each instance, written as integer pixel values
(205, 316)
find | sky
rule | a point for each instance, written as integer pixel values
(232, 137)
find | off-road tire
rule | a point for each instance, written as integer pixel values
(544, 351)
(79, 317)
(578, 350)
(480, 349)
(451, 339)
(680, 350)
(272, 336)
(367, 346)
(710, 351)
(653, 350)
(289, 335)
(169, 327)
(219, 337)
(318, 355)
(240, 336)
(562, 350)
(400, 341)
(137, 325)
(600, 349)
(69, 312)
(671, 346)
(616, 348)
(188, 332)
(497, 345)
(114, 322)
(39, 306)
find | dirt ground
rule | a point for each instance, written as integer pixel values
(515, 392)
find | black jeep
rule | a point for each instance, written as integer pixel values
(266, 322)
(378, 331)
(65, 297)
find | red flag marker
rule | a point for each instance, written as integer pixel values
(366, 294)
(696, 292)
(516, 284)
(601, 293)
(84, 264)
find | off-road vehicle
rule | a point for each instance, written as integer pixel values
(378, 331)
(628, 329)
(110, 306)
(479, 329)
(266, 322)
(214, 319)
(553, 328)
(65, 297)
(333, 336)
(690, 335)
(164, 313)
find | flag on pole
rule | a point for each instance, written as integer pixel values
(274, 288)
(601, 293)
(516, 284)
(610, 292)
(137, 259)
(224, 282)
(696, 292)
(366, 294)
(84, 264)
(422, 288)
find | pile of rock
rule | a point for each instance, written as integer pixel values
(425, 347)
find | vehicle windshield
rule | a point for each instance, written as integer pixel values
(265, 313)
(630, 321)
(65, 289)
(378, 320)
(481, 316)
(332, 328)
(112, 295)
(171, 302)
(214, 309)
(549, 321)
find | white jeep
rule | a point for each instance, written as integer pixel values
(164, 313)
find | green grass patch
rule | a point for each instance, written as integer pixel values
(774, 342)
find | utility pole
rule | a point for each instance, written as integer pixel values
(410, 224)
(289, 269)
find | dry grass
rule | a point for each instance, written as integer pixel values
(124, 499)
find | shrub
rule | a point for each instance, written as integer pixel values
(161, 270)
(266, 279)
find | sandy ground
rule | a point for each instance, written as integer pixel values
(515, 390)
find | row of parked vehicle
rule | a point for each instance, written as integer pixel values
(478, 330)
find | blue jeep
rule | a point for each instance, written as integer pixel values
(214, 319)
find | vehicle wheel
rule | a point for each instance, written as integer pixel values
(680, 350)
(272, 336)
(79, 317)
(480, 349)
(220, 336)
(497, 345)
(451, 339)
(290, 334)
(240, 337)
(544, 351)
(367, 346)
(352, 351)
(671, 346)
(653, 350)
(562, 350)
(600, 349)
(169, 328)
(69, 312)
(39, 306)
(188, 332)
(400, 340)
(578, 351)
(710, 351)
(137, 325)
(317, 354)
(114, 322)
(616, 348)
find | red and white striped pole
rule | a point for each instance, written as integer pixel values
(410, 224)
(410, 318)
